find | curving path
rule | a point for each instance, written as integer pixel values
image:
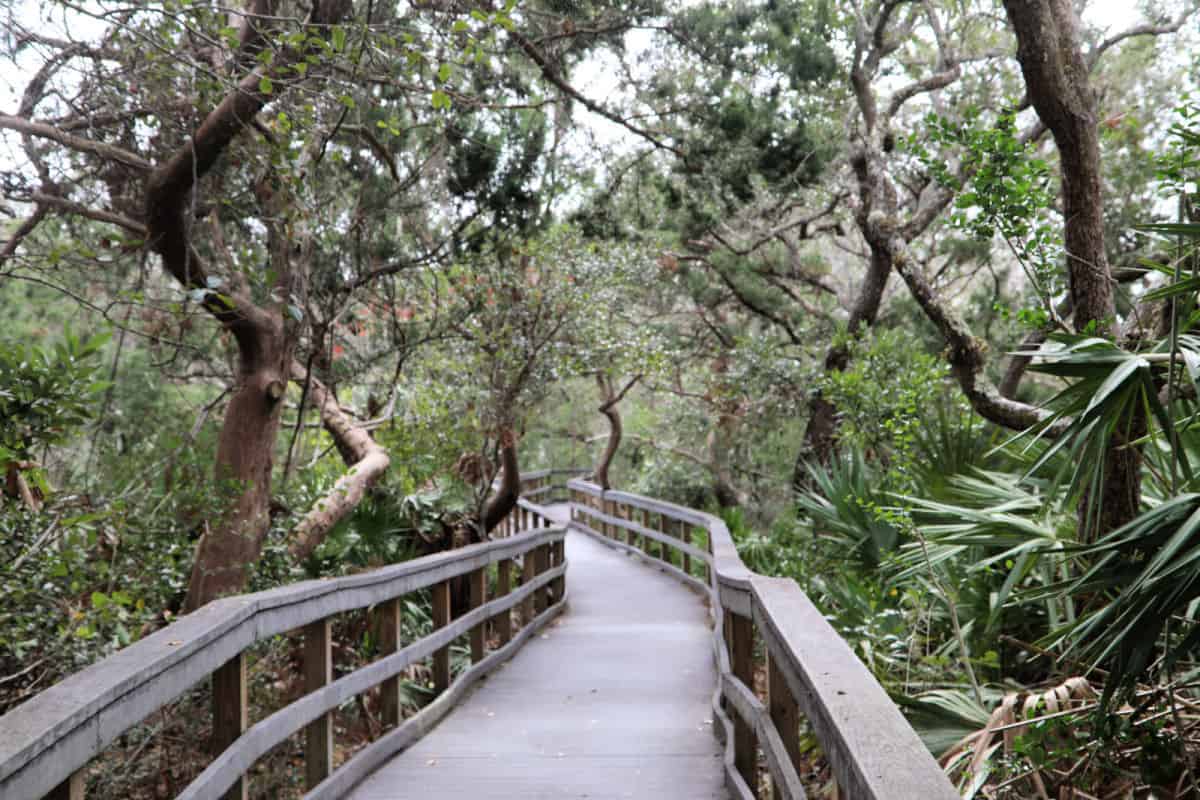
(612, 701)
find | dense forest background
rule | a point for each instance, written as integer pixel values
(905, 291)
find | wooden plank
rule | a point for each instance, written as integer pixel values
(60, 730)
(231, 714)
(785, 713)
(541, 560)
(558, 559)
(687, 540)
(441, 618)
(503, 587)
(318, 673)
(72, 788)
(275, 729)
(784, 778)
(528, 573)
(739, 635)
(645, 533)
(874, 752)
(478, 589)
(390, 625)
(569, 717)
(379, 752)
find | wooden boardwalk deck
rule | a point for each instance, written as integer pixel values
(612, 701)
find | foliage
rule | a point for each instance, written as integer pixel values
(46, 394)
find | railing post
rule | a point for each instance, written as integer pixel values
(739, 633)
(686, 536)
(478, 581)
(503, 587)
(558, 557)
(663, 525)
(70, 789)
(230, 713)
(390, 618)
(785, 713)
(541, 560)
(318, 672)
(528, 573)
(441, 618)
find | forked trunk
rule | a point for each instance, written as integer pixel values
(245, 451)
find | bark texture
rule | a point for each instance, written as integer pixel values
(244, 462)
(610, 398)
(504, 499)
(1057, 81)
(366, 459)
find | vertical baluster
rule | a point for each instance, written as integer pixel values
(318, 672)
(528, 573)
(478, 581)
(687, 539)
(390, 620)
(441, 618)
(503, 587)
(70, 789)
(739, 634)
(541, 560)
(785, 713)
(558, 558)
(663, 522)
(230, 713)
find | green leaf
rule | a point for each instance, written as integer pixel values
(264, 85)
(339, 38)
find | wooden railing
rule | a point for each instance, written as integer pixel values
(873, 751)
(46, 743)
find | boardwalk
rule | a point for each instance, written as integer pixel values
(611, 702)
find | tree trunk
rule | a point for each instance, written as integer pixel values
(610, 399)
(227, 553)
(609, 409)
(820, 435)
(1056, 78)
(504, 500)
(365, 458)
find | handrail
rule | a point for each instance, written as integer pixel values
(48, 741)
(873, 751)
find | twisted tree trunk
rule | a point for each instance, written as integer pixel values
(1056, 78)
(610, 398)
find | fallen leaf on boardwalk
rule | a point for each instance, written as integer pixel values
(431, 762)
(174, 643)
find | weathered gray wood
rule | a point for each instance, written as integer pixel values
(61, 729)
(441, 618)
(573, 715)
(649, 560)
(868, 744)
(70, 789)
(739, 635)
(785, 713)
(686, 538)
(318, 673)
(503, 587)
(541, 561)
(270, 732)
(391, 616)
(478, 589)
(380, 751)
(645, 532)
(528, 573)
(873, 750)
(231, 714)
(750, 709)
